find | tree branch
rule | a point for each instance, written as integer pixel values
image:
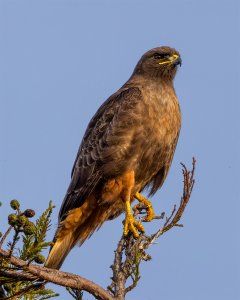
(58, 277)
(21, 275)
(130, 252)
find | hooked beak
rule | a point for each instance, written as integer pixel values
(177, 61)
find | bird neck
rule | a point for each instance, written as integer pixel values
(154, 82)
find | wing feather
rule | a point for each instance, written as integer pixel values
(104, 147)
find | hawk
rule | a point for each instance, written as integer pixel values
(128, 146)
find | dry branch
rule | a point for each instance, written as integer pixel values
(130, 252)
(58, 277)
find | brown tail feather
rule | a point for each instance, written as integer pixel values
(59, 251)
(68, 233)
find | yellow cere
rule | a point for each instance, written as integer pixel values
(169, 60)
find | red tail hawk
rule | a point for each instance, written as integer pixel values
(128, 146)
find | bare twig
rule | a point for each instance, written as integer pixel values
(119, 278)
(130, 252)
(5, 236)
(15, 239)
(188, 183)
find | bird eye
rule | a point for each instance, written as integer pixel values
(160, 55)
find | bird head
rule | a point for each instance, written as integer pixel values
(161, 62)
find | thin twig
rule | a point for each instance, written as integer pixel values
(5, 235)
(15, 239)
(175, 216)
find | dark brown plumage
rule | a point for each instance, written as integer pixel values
(128, 146)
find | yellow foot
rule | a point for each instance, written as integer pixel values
(130, 223)
(150, 212)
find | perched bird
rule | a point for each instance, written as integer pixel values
(128, 146)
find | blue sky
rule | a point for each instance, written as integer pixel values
(59, 60)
